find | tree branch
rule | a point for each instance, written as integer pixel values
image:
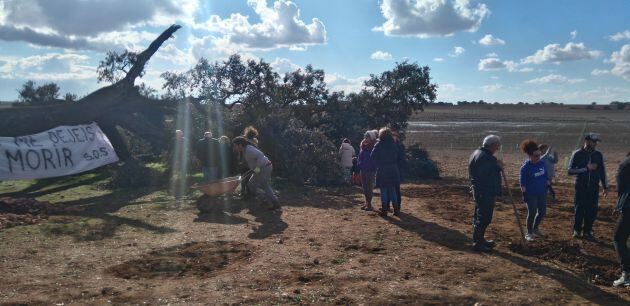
(144, 57)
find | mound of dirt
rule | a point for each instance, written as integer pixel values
(597, 270)
(194, 258)
(22, 211)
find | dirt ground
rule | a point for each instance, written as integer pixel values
(141, 246)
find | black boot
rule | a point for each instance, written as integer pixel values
(479, 244)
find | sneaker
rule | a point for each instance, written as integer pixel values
(539, 233)
(624, 280)
(577, 234)
(529, 237)
(490, 244)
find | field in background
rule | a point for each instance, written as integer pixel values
(451, 133)
(142, 246)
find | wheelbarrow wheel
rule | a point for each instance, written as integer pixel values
(208, 204)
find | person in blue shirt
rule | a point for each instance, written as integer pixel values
(534, 180)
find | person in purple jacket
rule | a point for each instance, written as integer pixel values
(534, 180)
(367, 167)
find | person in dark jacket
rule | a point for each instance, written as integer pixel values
(387, 155)
(623, 225)
(587, 164)
(484, 171)
(367, 167)
(207, 151)
(534, 180)
(402, 164)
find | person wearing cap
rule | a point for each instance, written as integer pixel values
(587, 165)
(484, 171)
(622, 232)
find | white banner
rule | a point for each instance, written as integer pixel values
(60, 151)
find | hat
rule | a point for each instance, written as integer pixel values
(593, 136)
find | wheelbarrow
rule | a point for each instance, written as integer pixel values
(215, 189)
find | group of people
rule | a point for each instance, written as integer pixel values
(536, 178)
(381, 163)
(221, 157)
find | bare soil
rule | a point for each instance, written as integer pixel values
(141, 246)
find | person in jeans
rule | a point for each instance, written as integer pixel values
(484, 171)
(261, 166)
(622, 231)
(550, 158)
(587, 165)
(346, 153)
(367, 167)
(386, 154)
(534, 180)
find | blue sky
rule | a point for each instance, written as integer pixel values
(495, 50)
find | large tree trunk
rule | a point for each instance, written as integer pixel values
(116, 105)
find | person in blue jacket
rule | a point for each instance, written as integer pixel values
(534, 180)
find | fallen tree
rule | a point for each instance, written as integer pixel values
(116, 105)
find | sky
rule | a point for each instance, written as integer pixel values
(570, 51)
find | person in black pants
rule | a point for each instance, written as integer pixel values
(484, 171)
(623, 225)
(587, 164)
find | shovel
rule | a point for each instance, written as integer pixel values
(516, 215)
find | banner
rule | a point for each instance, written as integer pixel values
(60, 151)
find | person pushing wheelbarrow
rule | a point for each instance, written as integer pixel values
(261, 167)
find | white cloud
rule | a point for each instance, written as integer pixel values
(49, 67)
(492, 55)
(382, 56)
(457, 51)
(87, 24)
(489, 40)
(573, 34)
(280, 27)
(490, 64)
(438, 59)
(554, 53)
(494, 64)
(554, 79)
(448, 87)
(425, 18)
(621, 62)
(172, 54)
(491, 88)
(337, 82)
(619, 36)
(600, 72)
(284, 65)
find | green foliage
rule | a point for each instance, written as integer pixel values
(30, 93)
(419, 165)
(134, 174)
(298, 117)
(116, 65)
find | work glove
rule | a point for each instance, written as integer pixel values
(257, 170)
